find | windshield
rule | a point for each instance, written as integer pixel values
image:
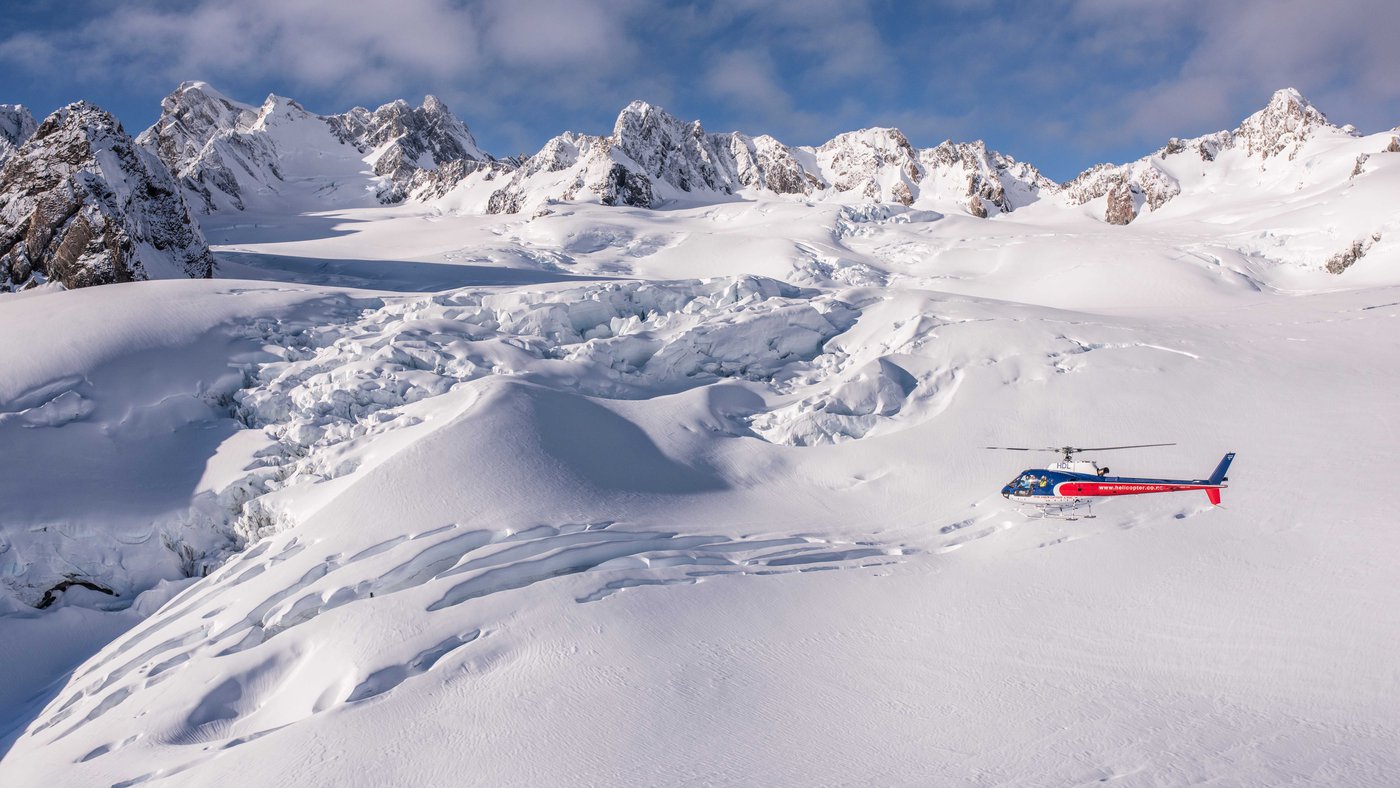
(1029, 480)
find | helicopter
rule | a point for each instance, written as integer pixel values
(1066, 486)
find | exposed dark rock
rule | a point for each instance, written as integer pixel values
(1346, 258)
(625, 187)
(976, 208)
(82, 205)
(1121, 209)
(1283, 125)
(51, 595)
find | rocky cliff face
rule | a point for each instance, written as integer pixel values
(82, 204)
(16, 126)
(651, 156)
(988, 182)
(422, 152)
(1281, 128)
(227, 154)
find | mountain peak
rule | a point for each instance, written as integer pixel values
(1288, 97)
(201, 88)
(1283, 125)
(645, 119)
(434, 105)
(639, 107)
(82, 204)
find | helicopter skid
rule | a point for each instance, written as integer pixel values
(1056, 508)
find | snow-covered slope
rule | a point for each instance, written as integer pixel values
(80, 205)
(653, 158)
(1263, 152)
(16, 124)
(696, 495)
(230, 155)
(750, 520)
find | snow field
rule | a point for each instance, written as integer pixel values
(575, 531)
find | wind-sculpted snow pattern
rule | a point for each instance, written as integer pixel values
(266, 680)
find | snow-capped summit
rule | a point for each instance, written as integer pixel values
(190, 116)
(423, 151)
(16, 125)
(880, 165)
(674, 152)
(1285, 125)
(876, 165)
(81, 204)
(654, 156)
(202, 135)
(650, 156)
(227, 153)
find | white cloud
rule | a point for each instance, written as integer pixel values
(334, 45)
(1340, 54)
(747, 78)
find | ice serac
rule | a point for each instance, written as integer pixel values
(82, 204)
(652, 157)
(16, 126)
(228, 154)
(1282, 128)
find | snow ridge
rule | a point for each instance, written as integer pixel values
(1284, 126)
(652, 158)
(227, 154)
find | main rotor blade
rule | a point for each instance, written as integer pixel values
(1016, 448)
(1135, 446)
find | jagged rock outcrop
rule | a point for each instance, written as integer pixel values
(16, 126)
(82, 204)
(1394, 146)
(1346, 258)
(1121, 206)
(876, 165)
(575, 166)
(765, 164)
(422, 151)
(672, 152)
(1145, 178)
(226, 153)
(1282, 127)
(989, 182)
(650, 152)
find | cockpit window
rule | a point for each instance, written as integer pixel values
(1029, 481)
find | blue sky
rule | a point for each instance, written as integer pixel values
(1062, 84)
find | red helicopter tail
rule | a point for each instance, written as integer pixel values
(1218, 477)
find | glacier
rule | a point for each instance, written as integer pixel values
(691, 490)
